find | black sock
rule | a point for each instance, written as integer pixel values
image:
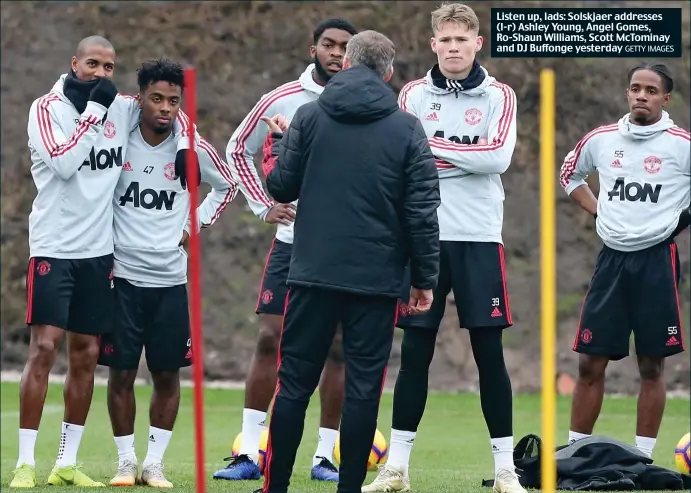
(410, 392)
(495, 385)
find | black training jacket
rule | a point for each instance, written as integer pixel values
(367, 186)
(596, 463)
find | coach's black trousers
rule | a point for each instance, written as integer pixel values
(311, 317)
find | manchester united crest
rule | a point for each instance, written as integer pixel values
(473, 116)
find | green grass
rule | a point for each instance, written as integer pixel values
(451, 452)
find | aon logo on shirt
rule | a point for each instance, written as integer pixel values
(103, 159)
(465, 139)
(148, 198)
(633, 191)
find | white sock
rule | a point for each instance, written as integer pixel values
(27, 445)
(502, 448)
(325, 446)
(574, 436)
(399, 449)
(125, 445)
(252, 423)
(70, 439)
(158, 443)
(645, 445)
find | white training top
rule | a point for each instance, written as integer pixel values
(249, 137)
(76, 162)
(472, 195)
(645, 180)
(152, 210)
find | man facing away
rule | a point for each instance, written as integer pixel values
(643, 166)
(352, 155)
(330, 38)
(150, 274)
(77, 137)
(470, 121)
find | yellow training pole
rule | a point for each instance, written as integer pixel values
(548, 265)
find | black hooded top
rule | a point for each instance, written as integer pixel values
(367, 186)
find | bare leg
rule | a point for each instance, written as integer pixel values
(165, 400)
(43, 348)
(122, 407)
(262, 376)
(82, 351)
(651, 402)
(588, 394)
(163, 412)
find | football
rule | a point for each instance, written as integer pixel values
(237, 443)
(377, 455)
(682, 455)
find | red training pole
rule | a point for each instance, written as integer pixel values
(194, 281)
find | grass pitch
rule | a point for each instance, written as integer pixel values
(451, 453)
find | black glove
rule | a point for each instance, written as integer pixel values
(684, 221)
(181, 168)
(104, 92)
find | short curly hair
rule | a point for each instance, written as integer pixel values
(153, 71)
(340, 24)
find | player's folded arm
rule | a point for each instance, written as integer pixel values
(495, 156)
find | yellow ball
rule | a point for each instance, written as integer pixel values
(263, 440)
(377, 455)
(682, 455)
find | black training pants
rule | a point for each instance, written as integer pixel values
(311, 317)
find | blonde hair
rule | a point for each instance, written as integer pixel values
(455, 12)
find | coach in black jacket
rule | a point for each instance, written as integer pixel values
(368, 195)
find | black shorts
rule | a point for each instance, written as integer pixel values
(156, 319)
(632, 291)
(476, 272)
(73, 294)
(273, 290)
